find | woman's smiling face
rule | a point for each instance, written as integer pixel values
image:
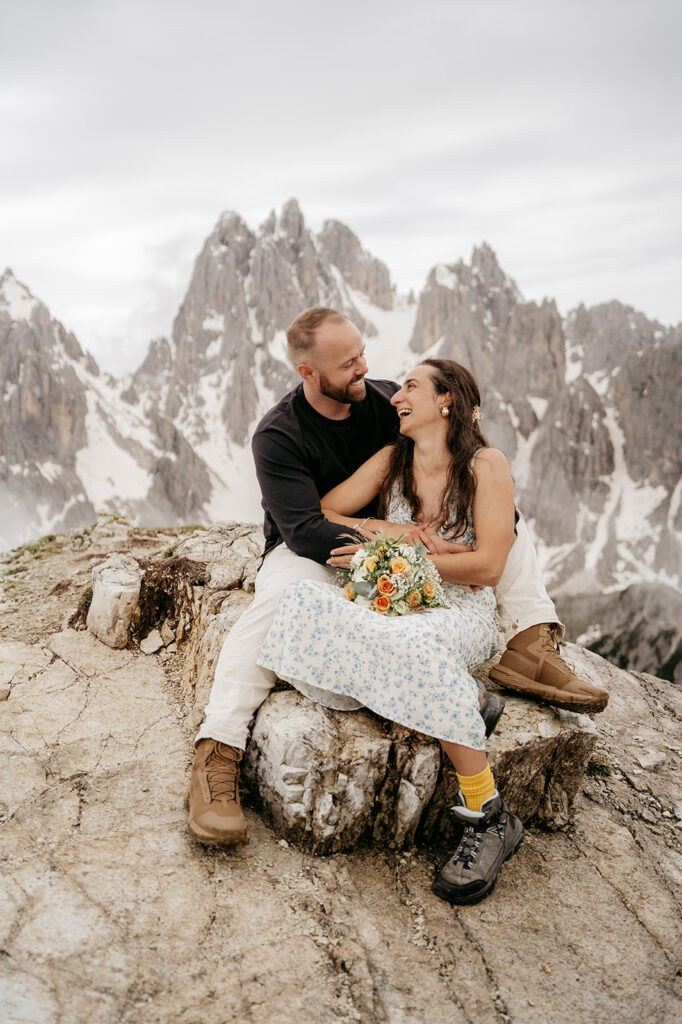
(417, 403)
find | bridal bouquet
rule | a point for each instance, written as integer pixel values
(393, 578)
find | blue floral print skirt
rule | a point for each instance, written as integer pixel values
(412, 669)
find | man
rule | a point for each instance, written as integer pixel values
(316, 436)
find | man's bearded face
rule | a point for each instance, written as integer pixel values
(351, 391)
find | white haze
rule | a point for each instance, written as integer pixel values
(549, 130)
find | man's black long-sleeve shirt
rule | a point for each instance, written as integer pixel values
(300, 455)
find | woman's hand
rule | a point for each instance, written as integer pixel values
(411, 533)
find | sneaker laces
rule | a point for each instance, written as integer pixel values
(222, 774)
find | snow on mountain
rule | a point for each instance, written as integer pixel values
(69, 444)
(582, 406)
(226, 361)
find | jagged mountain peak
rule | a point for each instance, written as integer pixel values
(486, 267)
(16, 300)
(291, 220)
(592, 447)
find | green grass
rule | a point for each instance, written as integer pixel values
(36, 548)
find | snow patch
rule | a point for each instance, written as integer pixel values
(599, 381)
(539, 406)
(214, 322)
(16, 298)
(109, 474)
(50, 470)
(445, 277)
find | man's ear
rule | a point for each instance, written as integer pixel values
(307, 372)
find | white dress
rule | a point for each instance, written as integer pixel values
(412, 669)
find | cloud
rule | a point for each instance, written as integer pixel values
(547, 129)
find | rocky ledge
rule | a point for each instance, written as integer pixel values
(110, 912)
(327, 779)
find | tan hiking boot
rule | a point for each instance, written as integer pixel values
(215, 815)
(533, 666)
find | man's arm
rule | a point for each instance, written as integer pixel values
(291, 497)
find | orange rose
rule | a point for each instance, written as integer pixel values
(370, 563)
(398, 566)
(384, 585)
(429, 590)
(349, 591)
(382, 604)
(414, 598)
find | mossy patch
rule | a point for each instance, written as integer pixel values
(36, 548)
(79, 619)
(599, 767)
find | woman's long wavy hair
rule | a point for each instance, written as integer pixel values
(464, 438)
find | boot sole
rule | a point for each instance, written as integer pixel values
(547, 694)
(450, 895)
(209, 839)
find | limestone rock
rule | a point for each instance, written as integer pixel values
(232, 550)
(167, 634)
(323, 778)
(152, 643)
(115, 594)
(109, 911)
(326, 778)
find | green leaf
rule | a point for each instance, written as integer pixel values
(364, 588)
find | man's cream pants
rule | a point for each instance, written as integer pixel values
(240, 686)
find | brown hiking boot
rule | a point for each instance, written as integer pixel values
(533, 666)
(215, 815)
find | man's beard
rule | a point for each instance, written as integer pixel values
(342, 395)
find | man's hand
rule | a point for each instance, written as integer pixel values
(340, 557)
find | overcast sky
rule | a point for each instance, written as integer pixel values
(548, 128)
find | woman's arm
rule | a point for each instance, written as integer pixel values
(339, 504)
(493, 512)
(361, 488)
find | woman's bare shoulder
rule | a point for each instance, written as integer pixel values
(491, 460)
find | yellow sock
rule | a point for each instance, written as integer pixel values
(476, 789)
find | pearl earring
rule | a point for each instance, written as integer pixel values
(445, 411)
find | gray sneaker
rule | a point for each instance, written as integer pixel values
(491, 836)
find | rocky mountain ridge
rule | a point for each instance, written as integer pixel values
(580, 405)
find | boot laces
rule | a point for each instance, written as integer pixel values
(551, 645)
(467, 851)
(222, 775)
(470, 845)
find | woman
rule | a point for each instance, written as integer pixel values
(443, 485)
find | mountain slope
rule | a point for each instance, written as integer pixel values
(582, 406)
